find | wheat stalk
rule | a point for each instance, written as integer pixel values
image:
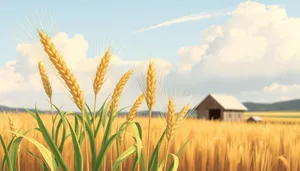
(116, 95)
(151, 86)
(68, 77)
(64, 72)
(47, 88)
(131, 115)
(150, 99)
(99, 79)
(171, 125)
(13, 129)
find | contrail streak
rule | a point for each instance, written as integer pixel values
(184, 19)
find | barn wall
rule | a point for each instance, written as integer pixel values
(233, 116)
(203, 109)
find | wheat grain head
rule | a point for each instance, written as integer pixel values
(151, 86)
(170, 120)
(181, 114)
(45, 79)
(63, 70)
(101, 70)
(118, 91)
(133, 110)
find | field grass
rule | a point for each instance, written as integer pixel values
(213, 146)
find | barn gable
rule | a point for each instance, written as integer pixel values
(226, 102)
(220, 107)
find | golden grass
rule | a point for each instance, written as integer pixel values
(213, 146)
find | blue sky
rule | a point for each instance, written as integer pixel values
(115, 22)
(251, 53)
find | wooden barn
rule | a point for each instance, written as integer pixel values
(220, 107)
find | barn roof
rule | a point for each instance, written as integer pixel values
(227, 102)
(255, 118)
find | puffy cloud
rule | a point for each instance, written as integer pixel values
(273, 93)
(257, 46)
(258, 40)
(21, 78)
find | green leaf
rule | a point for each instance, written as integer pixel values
(31, 113)
(78, 160)
(47, 155)
(178, 154)
(14, 150)
(92, 143)
(175, 160)
(49, 141)
(8, 149)
(60, 122)
(100, 113)
(154, 158)
(123, 157)
(103, 151)
(42, 164)
(10, 165)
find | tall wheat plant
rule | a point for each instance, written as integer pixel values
(86, 125)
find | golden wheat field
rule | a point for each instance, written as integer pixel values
(276, 116)
(213, 145)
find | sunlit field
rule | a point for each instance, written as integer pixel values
(290, 117)
(213, 145)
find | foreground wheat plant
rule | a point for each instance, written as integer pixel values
(99, 79)
(67, 76)
(84, 126)
(48, 89)
(150, 99)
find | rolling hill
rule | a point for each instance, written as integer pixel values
(290, 105)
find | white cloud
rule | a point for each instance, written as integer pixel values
(273, 93)
(21, 77)
(258, 40)
(257, 46)
(183, 19)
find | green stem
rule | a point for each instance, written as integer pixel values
(94, 116)
(51, 109)
(166, 158)
(85, 138)
(148, 140)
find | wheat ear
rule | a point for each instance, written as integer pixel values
(64, 72)
(131, 115)
(69, 79)
(181, 114)
(48, 89)
(116, 95)
(118, 91)
(150, 99)
(45, 80)
(99, 79)
(171, 121)
(11, 125)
